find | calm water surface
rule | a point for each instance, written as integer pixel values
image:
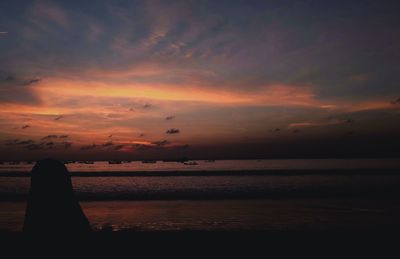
(202, 165)
(271, 202)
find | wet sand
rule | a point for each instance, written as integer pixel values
(228, 215)
(246, 228)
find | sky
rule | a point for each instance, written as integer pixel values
(199, 79)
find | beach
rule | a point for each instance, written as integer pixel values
(221, 206)
(214, 197)
(276, 216)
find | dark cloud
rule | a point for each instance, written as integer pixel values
(172, 131)
(49, 137)
(58, 117)
(32, 81)
(18, 142)
(397, 101)
(161, 143)
(12, 91)
(66, 144)
(34, 147)
(114, 115)
(295, 131)
(107, 144)
(25, 142)
(43, 145)
(28, 144)
(147, 106)
(349, 121)
(131, 109)
(25, 126)
(186, 146)
(142, 147)
(10, 78)
(52, 136)
(11, 142)
(118, 147)
(88, 147)
(168, 118)
(141, 135)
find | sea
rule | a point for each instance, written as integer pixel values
(208, 195)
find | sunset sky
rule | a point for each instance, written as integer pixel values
(203, 79)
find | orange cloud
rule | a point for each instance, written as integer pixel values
(314, 124)
(271, 95)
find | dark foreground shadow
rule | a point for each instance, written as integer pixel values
(52, 207)
(224, 244)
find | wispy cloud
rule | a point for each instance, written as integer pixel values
(32, 81)
(58, 117)
(49, 137)
(66, 144)
(161, 143)
(107, 144)
(147, 106)
(42, 12)
(397, 101)
(52, 136)
(88, 147)
(318, 123)
(172, 131)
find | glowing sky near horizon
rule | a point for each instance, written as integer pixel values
(99, 79)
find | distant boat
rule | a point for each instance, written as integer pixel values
(88, 162)
(190, 163)
(114, 162)
(85, 162)
(126, 161)
(69, 162)
(149, 161)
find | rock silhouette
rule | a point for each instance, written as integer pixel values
(52, 206)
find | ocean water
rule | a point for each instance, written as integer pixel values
(209, 186)
(214, 202)
(217, 215)
(217, 187)
(203, 165)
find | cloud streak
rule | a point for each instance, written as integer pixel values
(32, 81)
(173, 131)
(42, 12)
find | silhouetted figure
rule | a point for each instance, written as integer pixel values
(52, 206)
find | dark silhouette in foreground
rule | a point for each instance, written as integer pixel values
(52, 206)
